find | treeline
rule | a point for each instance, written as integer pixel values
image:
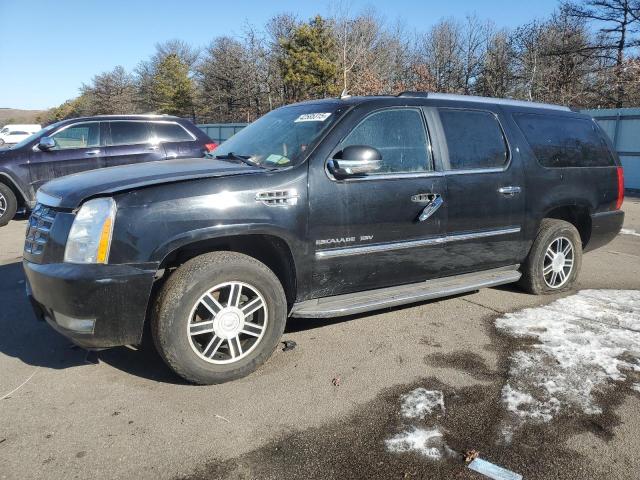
(583, 55)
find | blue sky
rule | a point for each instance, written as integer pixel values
(49, 48)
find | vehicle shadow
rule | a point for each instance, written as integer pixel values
(23, 336)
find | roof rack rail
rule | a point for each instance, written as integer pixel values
(476, 99)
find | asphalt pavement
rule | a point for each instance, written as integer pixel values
(325, 409)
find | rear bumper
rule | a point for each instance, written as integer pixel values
(95, 306)
(604, 228)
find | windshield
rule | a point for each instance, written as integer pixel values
(30, 138)
(281, 137)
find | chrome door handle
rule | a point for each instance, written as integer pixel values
(153, 147)
(435, 202)
(509, 191)
(92, 152)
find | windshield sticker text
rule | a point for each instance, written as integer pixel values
(312, 117)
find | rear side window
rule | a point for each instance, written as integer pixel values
(170, 132)
(559, 142)
(474, 139)
(399, 135)
(129, 133)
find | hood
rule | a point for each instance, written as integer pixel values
(70, 191)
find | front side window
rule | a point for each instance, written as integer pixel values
(474, 140)
(282, 137)
(170, 132)
(129, 133)
(564, 142)
(79, 135)
(399, 135)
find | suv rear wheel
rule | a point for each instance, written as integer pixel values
(555, 258)
(8, 204)
(219, 317)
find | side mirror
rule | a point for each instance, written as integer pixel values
(46, 143)
(355, 161)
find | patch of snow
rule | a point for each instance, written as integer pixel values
(636, 387)
(629, 231)
(421, 402)
(584, 342)
(428, 443)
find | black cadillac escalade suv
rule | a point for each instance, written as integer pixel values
(321, 209)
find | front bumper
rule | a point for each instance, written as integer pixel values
(95, 306)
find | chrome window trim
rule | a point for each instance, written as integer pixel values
(392, 176)
(47, 199)
(386, 247)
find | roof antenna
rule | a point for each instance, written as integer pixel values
(344, 94)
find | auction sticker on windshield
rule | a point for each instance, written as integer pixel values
(312, 117)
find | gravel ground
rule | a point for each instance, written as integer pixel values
(128, 415)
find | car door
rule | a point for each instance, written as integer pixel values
(78, 147)
(176, 140)
(131, 141)
(485, 196)
(366, 232)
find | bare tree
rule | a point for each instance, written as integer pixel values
(442, 53)
(111, 92)
(475, 38)
(496, 74)
(355, 40)
(619, 21)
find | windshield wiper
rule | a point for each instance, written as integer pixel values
(241, 158)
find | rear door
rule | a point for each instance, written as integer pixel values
(367, 232)
(131, 141)
(176, 140)
(78, 147)
(485, 189)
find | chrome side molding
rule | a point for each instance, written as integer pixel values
(386, 247)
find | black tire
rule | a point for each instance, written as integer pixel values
(179, 298)
(533, 280)
(8, 204)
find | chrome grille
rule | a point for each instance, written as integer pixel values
(40, 224)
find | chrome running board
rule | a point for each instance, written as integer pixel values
(359, 302)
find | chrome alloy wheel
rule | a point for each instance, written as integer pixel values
(558, 262)
(227, 323)
(3, 204)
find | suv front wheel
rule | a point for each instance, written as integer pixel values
(219, 317)
(554, 260)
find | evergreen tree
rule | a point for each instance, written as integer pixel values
(307, 65)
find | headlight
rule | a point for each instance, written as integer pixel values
(90, 236)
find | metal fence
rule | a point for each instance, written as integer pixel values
(623, 127)
(219, 132)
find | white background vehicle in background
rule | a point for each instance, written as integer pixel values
(14, 133)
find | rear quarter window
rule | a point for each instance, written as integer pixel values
(170, 132)
(560, 142)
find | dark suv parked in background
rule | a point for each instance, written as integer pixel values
(321, 209)
(79, 144)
